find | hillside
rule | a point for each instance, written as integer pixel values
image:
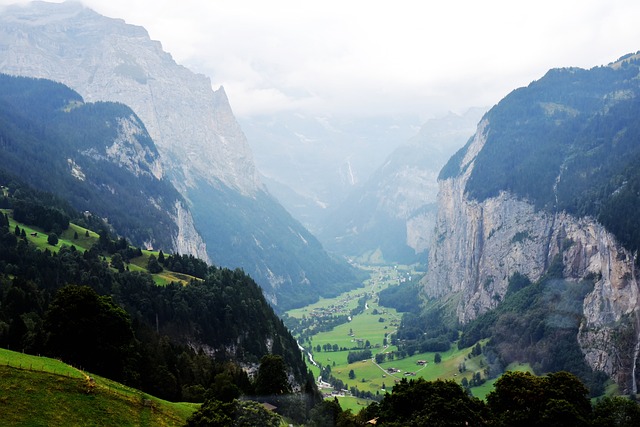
(228, 216)
(538, 210)
(98, 157)
(97, 306)
(41, 391)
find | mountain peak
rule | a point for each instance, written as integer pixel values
(106, 59)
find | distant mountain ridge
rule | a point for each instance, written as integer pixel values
(202, 148)
(394, 211)
(312, 162)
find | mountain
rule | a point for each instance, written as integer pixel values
(97, 156)
(541, 206)
(89, 300)
(393, 212)
(311, 163)
(202, 148)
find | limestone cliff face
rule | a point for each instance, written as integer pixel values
(479, 245)
(128, 152)
(105, 59)
(228, 217)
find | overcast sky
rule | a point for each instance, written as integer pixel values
(368, 57)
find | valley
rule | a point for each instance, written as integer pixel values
(314, 266)
(354, 325)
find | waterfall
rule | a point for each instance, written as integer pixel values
(634, 384)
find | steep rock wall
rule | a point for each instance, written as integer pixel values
(478, 245)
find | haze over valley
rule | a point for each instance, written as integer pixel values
(268, 213)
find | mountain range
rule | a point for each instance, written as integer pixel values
(312, 162)
(226, 215)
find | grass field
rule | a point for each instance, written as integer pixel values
(85, 240)
(371, 327)
(38, 391)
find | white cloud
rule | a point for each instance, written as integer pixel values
(365, 57)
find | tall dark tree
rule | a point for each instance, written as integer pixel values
(153, 266)
(521, 398)
(272, 376)
(52, 239)
(616, 411)
(421, 403)
(89, 330)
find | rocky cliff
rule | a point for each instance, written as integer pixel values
(203, 150)
(107, 60)
(480, 241)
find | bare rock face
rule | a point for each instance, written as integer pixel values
(477, 246)
(108, 60)
(228, 218)
(127, 152)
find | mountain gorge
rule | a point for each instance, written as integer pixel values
(392, 214)
(312, 162)
(547, 188)
(202, 149)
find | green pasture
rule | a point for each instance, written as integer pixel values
(482, 391)
(367, 326)
(355, 404)
(37, 237)
(39, 391)
(346, 301)
(44, 364)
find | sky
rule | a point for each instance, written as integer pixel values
(371, 57)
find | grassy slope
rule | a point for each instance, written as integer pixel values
(38, 391)
(38, 238)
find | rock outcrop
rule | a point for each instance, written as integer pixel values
(479, 245)
(229, 218)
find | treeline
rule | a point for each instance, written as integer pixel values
(362, 303)
(518, 399)
(425, 332)
(185, 264)
(403, 297)
(356, 356)
(308, 326)
(170, 341)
